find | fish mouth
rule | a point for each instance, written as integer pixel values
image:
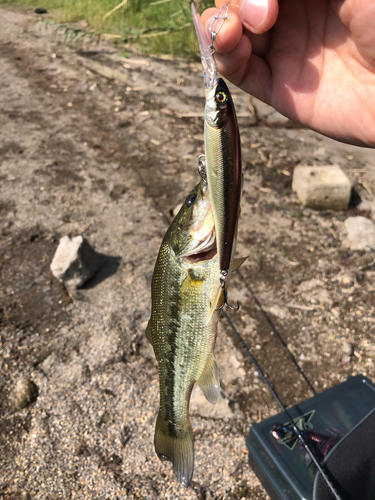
(204, 250)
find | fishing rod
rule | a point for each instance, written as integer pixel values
(282, 407)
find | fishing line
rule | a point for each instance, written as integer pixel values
(274, 329)
(282, 407)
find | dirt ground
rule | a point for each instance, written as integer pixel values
(95, 145)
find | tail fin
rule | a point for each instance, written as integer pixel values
(178, 448)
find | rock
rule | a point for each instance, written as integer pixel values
(200, 406)
(23, 394)
(75, 261)
(307, 286)
(40, 10)
(361, 233)
(322, 187)
(348, 349)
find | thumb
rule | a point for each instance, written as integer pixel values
(258, 16)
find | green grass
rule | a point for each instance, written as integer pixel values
(153, 29)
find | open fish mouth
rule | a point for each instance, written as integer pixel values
(204, 250)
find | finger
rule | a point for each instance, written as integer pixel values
(246, 70)
(257, 16)
(229, 34)
(233, 64)
(260, 43)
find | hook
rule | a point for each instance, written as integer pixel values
(223, 276)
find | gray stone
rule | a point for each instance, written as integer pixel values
(24, 393)
(75, 261)
(361, 233)
(325, 187)
(200, 406)
(348, 349)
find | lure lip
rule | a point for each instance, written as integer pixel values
(210, 70)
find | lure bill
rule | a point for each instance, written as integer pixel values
(186, 295)
(222, 151)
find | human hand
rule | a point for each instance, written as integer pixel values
(312, 60)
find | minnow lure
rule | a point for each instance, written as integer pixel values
(222, 149)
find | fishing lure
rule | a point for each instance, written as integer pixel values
(321, 443)
(222, 159)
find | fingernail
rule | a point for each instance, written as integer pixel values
(254, 12)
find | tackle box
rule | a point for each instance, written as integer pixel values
(281, 465)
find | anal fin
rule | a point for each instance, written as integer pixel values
(209, 381)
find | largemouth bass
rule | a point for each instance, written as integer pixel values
(222, 150)
(186, 294)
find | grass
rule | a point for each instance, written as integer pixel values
(163, 28)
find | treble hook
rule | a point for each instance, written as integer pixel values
(223, 276)
(214, 33)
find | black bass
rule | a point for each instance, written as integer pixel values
(186, 294)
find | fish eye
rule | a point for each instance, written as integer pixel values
(221, 97)
(191, 199)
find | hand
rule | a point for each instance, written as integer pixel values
(312, 60)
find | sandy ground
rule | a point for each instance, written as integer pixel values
(91, 147)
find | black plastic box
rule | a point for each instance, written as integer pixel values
(281, 467)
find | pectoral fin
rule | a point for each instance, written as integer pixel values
(216, 304)
(148, 331)
(209, 381)
(238, 262)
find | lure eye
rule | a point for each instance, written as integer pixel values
(221, 97)
(190, 200)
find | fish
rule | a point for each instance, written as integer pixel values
(222, 142)
(182, 329)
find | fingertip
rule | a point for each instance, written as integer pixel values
(208, 13)
(229, 34)
(258, 16)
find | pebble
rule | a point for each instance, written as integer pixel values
(360, 233)
(348, 349)
(323, 187)
(24, 393)
(40, 10)
(75, 262)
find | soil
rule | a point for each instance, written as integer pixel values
(96, 145)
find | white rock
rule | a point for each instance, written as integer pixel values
(361, 233)
(322, 187)
(200, 406)
(24, 393)
(75, 261)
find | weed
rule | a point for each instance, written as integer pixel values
(151, 27)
